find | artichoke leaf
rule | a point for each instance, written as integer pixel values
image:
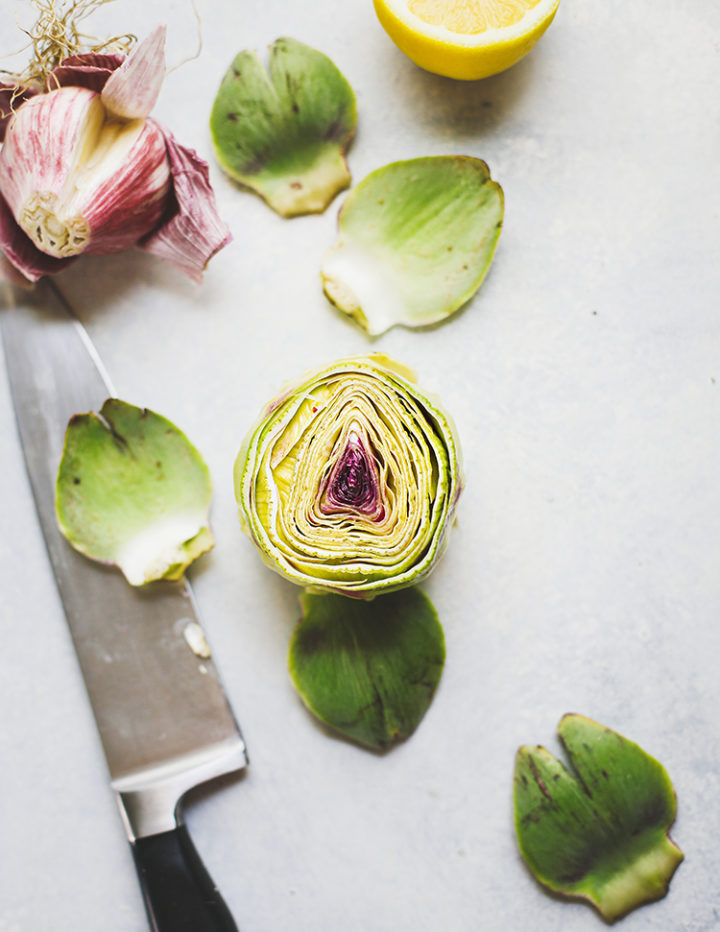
(600, 832)
(368, 670)
(134, 492)
(284, 132)
(416, 239)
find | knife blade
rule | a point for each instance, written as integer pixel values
(163, 718)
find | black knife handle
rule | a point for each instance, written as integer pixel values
(179, 893)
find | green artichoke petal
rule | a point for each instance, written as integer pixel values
(416, 240)
(368, 670)
(600, 833)
(133, 491)
(413, 472)
(284, 134)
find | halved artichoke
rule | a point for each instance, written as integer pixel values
(349, 480)
(133, 491)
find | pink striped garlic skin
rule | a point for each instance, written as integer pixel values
(78, 179)
(85, 169)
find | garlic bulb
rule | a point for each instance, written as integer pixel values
(84, 169)
(79, 180)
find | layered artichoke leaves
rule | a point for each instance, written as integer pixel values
(349, 480)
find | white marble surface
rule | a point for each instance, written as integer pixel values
(583, 574)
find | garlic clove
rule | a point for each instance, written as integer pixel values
(122, 190)
(77, 181)
(43, 141)
(132, 91)
(194, 231)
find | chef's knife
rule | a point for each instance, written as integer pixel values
(163, 718)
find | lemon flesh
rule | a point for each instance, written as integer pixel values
(465, 39)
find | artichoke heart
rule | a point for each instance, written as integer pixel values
(349, 480)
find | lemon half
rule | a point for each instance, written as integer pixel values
(465, 39)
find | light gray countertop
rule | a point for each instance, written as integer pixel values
(583, 571)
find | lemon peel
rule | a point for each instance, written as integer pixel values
(465, 39)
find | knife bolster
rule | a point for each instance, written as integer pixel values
(149, 799)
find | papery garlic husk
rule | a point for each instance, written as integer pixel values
(78, 179)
